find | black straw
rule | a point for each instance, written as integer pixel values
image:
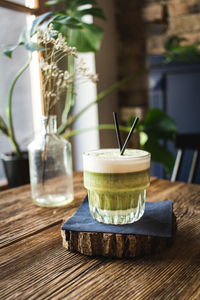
(129, 136)
(117, 131)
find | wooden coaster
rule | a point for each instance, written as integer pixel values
(115, 245)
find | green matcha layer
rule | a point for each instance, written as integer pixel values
(116, 191)
(108, 182)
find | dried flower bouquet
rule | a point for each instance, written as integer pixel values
(57, 81)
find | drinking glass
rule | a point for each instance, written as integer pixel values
(116, 184)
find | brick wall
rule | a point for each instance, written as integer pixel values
(143, 27)
(172, 17)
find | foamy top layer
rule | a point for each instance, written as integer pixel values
(110, 161)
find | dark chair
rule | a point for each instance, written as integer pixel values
(182, 143)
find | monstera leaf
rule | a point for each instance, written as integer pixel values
(159, 153)
(70, 22)
(159, 124)
(154, 130)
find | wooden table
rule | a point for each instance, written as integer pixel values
(34, 265)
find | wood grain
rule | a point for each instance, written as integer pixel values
(115, 245)
(18, 7)
(16, 206)
(34, 265)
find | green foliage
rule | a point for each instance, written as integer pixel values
(3, 127)
(37, 21)
(25, 40)
(159, 124)
(8, 50)
(175, 51)
(53, 2)
(159, 153)
(65, 126)
(156, 128)
(9, 130)
(87, 39)
(79, 33)
(70, 22)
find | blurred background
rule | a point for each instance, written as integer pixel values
(135, 35)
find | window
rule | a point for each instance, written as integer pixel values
(13, 16)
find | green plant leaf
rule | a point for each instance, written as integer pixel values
(53, 2)
(173, 41)
(189, 53)
(159, 153)
(175, 51)
(94, 11)
(159, 124)
(8, 50)
(68, 124)
(46, 23)
(74, 5)
(87, 39)
(69, 21)
(37, 21)
(143, 138)
(33, 46)
(25, 39)
(9, 108)
(61, 28)
(3, 127)
(157, 127)
(71, 133)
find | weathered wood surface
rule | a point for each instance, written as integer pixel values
(19, 215)
(115, 245)
(34, 264)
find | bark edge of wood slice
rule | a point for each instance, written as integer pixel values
(114, 244)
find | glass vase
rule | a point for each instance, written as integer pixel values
(50, 164)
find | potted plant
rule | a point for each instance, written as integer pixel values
(15, 163)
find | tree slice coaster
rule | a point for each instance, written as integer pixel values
(115, 245)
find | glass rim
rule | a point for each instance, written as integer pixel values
(120, 157)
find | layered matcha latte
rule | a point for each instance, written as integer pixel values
(116, 184)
